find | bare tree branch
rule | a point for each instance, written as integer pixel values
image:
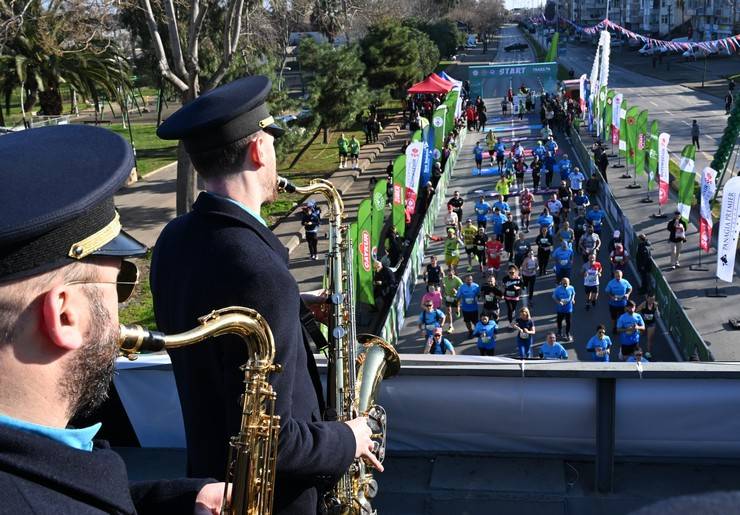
(174, 36)
(162, 63)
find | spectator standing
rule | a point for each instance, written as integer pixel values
(468, 294)
(504, 107)
(310, 220)
(728, 102)
(644, 263)
(618, 290)
(395, 245)
(492, 295)
(432, 295)
(564, 296)
(482, 208)
(433, 272)
(677, 236)
(354, 152)
(544, 248)
(430, 319)
(450, 284)
(482, 119)
(385, 284)
(629, 325)
(600, 344)
(438, 344)
(524, 325)
(650, 312)
(695, 134)
(485, 330)
(512, 284)
(343, 144)
(591, 271)
(603, 164)
(563, 257)
(551, 349)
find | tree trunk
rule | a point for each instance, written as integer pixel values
(305, 147)
(326, 135)
(8, 94)
(185, 181)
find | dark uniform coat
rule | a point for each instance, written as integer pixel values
(217, 256)
(41, 476)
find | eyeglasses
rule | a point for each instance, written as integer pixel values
(438, 336)
(128, 278)
(428, 305)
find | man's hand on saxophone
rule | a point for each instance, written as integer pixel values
(365, 444)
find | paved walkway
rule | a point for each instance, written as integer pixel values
(584, 322)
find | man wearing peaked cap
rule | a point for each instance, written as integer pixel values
(222, 254)
(62, 275)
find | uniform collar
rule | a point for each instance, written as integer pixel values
(80, 439)
(250, 211)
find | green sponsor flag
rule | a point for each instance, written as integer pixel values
(686, 181)
(439, 122)
(451, 103)
(623, 129)
(552, 53)
(631, 125)
(363, 248)
(652, 161)
(642, 135)
(399, 194)
(378, 214)
(417, 136)
(608, 115)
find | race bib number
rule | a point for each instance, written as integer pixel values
(523, 335)
(430, 327)
(618, 259)
(510, 293)
(647, 316)
(481, 247)
(484, 338)
(469, 300)
(563, 262)
(600, 352)
(490, 298)
(450, 299)
(453, 253)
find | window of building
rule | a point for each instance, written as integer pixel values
(664, 19)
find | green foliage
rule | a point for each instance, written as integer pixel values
(337, 89)
(397, 56)
(443, 32)
(729, 137)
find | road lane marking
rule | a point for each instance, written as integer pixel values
(653, 103)
(687, 123)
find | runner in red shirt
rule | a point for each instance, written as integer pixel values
(494, 250)
(525, 204)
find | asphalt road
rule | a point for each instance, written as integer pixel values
(584, 322)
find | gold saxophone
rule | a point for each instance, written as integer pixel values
(250, 471)
(357, 363)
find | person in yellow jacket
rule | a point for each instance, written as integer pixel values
(469, 232)
(453, 245)
(491, 144)
(503, 186)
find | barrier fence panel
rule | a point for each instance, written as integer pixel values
(687, 338)
(396, 314)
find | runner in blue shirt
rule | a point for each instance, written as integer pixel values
(485, 330)
(546, 220)
(582, 202)
(501, 204)
(482, 208)
(600, 344)
(478, 153)
(565, 298)
(438, 344)
(551, 145)
(551, 349)
(565, 166)
(576, 180)
(629, 326)
(563, 257)
(539, 150)
(596, 216)
(524, 325)
(430, 319)
(618, 290)
(549, 162)
(637, 356)
(498, 219)
(468, 294)
(500, 150)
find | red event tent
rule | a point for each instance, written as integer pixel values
(430, 85)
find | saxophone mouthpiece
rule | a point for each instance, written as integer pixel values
(285, 185)
(133, 339)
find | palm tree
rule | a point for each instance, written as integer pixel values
(46, 54)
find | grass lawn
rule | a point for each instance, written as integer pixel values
(138, 310)
(151, 152)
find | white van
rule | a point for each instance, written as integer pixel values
(648, 50)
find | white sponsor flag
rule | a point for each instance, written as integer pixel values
(414, 155)
(663, 168)
(582, 93)
(708, 188)
(729, 225)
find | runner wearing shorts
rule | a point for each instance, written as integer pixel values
(453, 246)
(469, 233)
(468, 294)
(591, 271)
(525, 206)
(494, 251)
(480, 247)
(450, 285)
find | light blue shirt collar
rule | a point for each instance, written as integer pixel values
(80, 439)
(251, 212)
